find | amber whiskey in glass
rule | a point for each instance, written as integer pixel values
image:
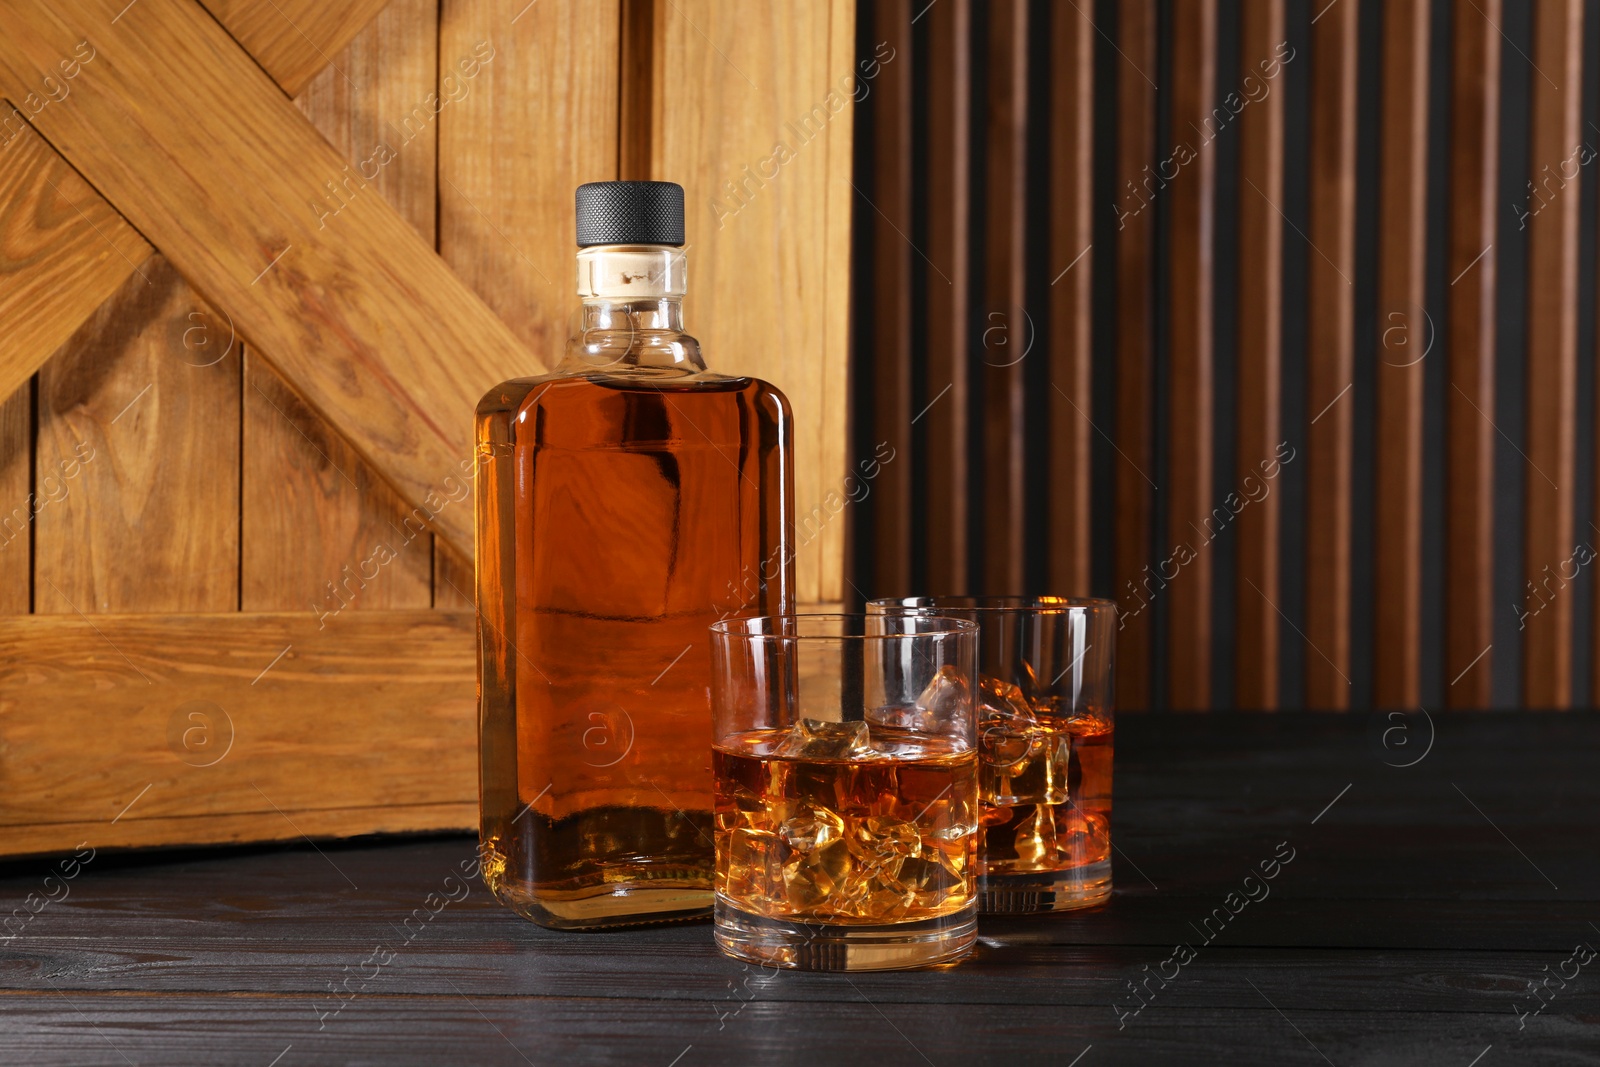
(625, 502)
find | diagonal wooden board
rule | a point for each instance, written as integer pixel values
(200, 151)
(293, 39)
(64, 251)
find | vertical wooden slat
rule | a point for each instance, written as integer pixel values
(1330, 351)
(1190, 267)
(1552, 353)
(317, 520)
(1071, 133)
(889, 360)
(1004, 322)
(636, 88)
(16, 502)
(152, 522)
(1260, 358)
(1469, 458)
(949, 187)
(1135, 313)
(1404, 334)
(769, 229)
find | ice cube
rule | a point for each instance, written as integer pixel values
(810, 878)
(930, 876)
(944, 702)
(809, 827)
(896, 717)
(819, 739)
(881, 843)
(1008, 732)
(1035, 842)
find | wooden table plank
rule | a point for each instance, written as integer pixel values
(1469, 402)
(1404, 928)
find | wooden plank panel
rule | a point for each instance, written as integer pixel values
(63, 251)
(316, 517)
(1005, 322)
(1555, 144)
(949, 133)
(1135, 314)
(1259, 389)
(149, 386)
(1469, 454)
(637, 76)
(769, 245)
(1072, 37)
(215, 728)
(886, 363)
(1190, 267)
(333, 287)
(1330, 350)
(18, 500)
(538, 122)
(294, 39)
(1404, 335)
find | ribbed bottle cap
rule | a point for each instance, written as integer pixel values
(630, 213)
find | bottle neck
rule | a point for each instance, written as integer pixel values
(632, 313)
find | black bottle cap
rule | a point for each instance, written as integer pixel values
(630, 213)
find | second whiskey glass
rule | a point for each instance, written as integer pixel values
(846, 808)
(1045, 718)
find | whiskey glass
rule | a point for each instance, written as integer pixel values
(1045, 719)
(846, 802)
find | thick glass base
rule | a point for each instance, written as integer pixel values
(1035, 891)
(609, 906)
(858, 947)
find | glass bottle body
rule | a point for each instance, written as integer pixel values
(622, 509)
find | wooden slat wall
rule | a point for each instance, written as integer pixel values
(1552, 349)
(1404, 335)
(1259, 361)
(1317, 346)
(1471, 266)
(17, 502)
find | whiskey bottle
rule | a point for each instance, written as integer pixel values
(625, 502)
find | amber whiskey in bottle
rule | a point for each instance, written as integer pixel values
(625, 502)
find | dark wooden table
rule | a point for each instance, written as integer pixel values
(1444, 912)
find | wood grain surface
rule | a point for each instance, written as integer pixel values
(1135, 347)
(215, 728)
(313, 510)
(1556, 146)
(63, 250)
(1005, 325)
(1191, 361)
(1405, 333)
(17, 502)
(333, 287)
(1404, 929)
(769, 259)
(947, 483)
(1330, 355)
(1259, 388)
(1072, 266)
(143, 404)
(294, 39)
(1472, 265)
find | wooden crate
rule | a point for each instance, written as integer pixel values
(258, 259)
